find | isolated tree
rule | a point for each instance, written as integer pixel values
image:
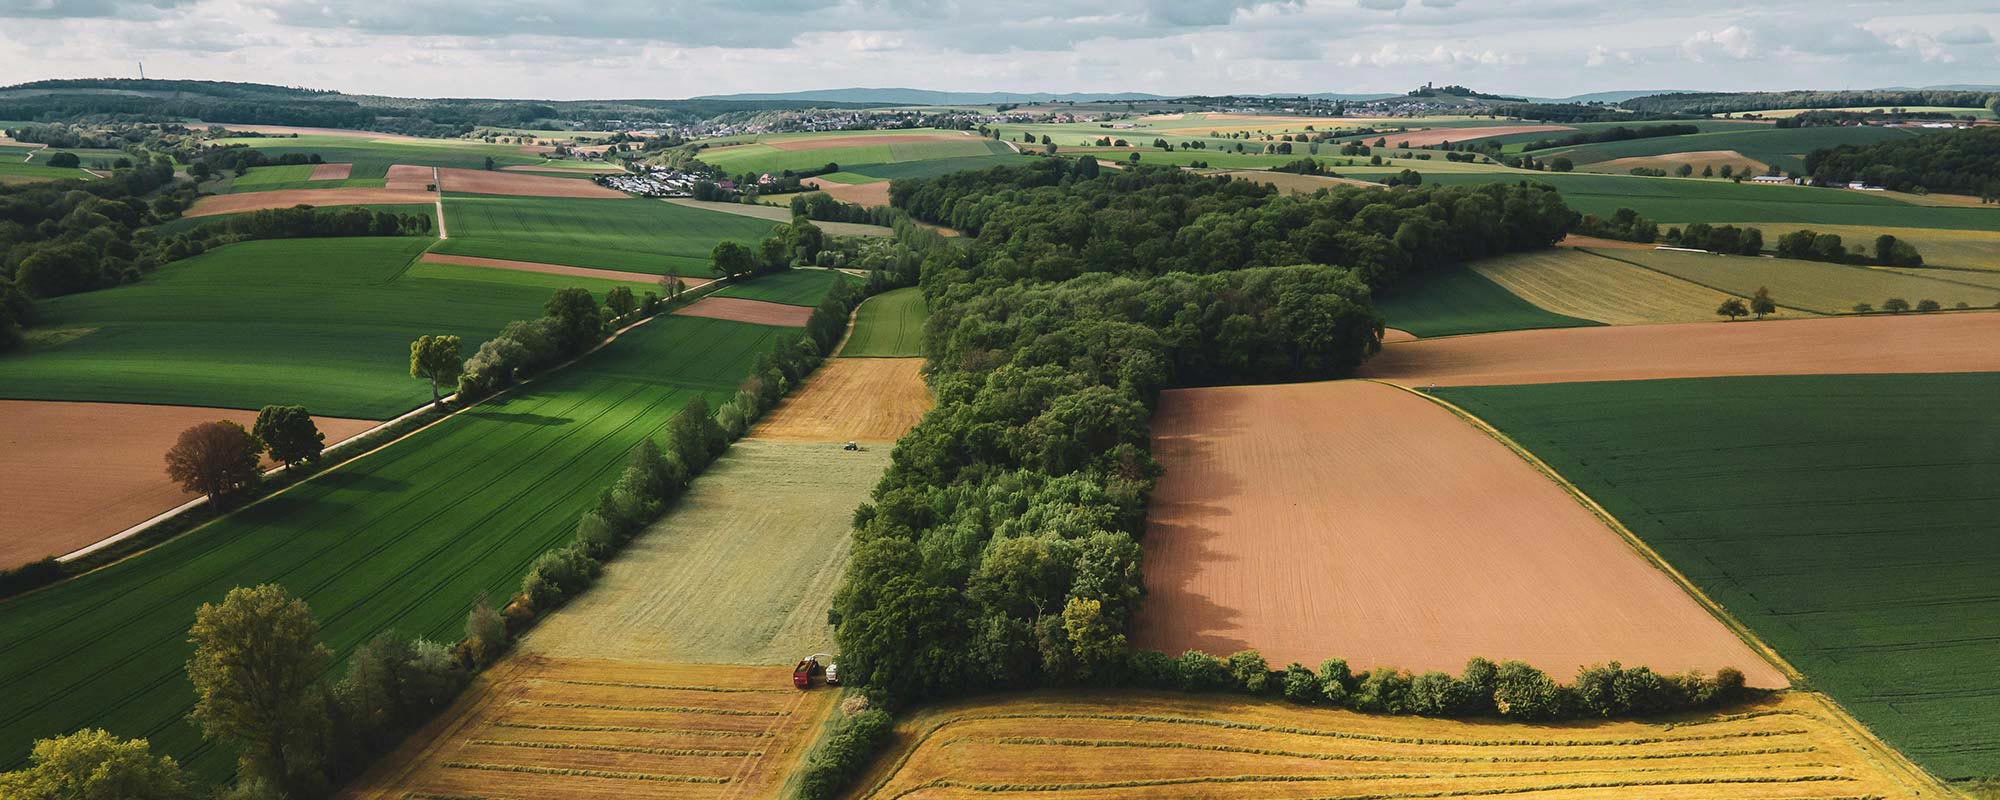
(436, 358)
(489, 163)
(620, 301)
(1895, 305)
(730, 259)
(214, 458)
(1761, 303)
(1732, 308)
(290, 434)
(1561, 164)
(1863, 308)
(65, 160)
(92, 764)
(256, 668)
(1684, 170)
(1928, 306)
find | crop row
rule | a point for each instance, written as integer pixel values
(1263, 751)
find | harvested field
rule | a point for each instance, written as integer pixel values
(331, 172)
(478, 181)
(553, 269)
(1809, 285)
(295, 130)
(1699, 159)
(1432, 136)
(867, 194)
(1582, 284)
(864, 140)
(1295, 184)
(1128, 744)
(1953, 342)
(852, 399)
(1393, 533)
(781, 214)
(1575, 240)
(753, 311)
(212, 205)
(535, 727)
(410, 176)
(741, 571)
(79, 472)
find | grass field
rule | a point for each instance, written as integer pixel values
(633, 235)
(293, 176)
(762, 157)
(931, 168)
(1576, 283)
(1847, 520)
(323, 322)
(373, 157)
(185, 224)
(1784, 147)
(890, 324)
(404, 539)
(1128, 744)
(1695, 199)
(12, 170)
(793, 287)
(1810, 285)
(1455, 301)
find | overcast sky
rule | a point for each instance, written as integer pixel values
(678, 48)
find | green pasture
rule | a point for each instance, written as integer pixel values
(372, 158)
(766, 158)
(889, 325)
(792, 287)
(326, 323)
(624, 234)
(926, 169)
(1458, 300)
(15, 171)
(402, 540)
(1809, 285)
(1518, 142)
(1784, 147)
(1847, 520)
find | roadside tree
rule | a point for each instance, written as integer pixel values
(214, 458)
(290, 434)
(436, 358)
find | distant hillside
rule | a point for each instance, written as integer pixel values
(1615, 97)
(1736, 102)
(929, 97)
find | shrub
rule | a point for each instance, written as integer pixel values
(1335, 681)
(1248, 670)
(1927, 306)
(1476, 687)
(844, 755)
(1300, 685)
(1383, 689)
(558, 575)
(1434, 694)
(1153, 669)
(1523, 692)
(485, 632)
(1201, 672)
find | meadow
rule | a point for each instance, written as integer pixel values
(185, 224)
(373, 157)
(326, 323)
(1783, 147)
(292, 176)
(1940, 247)
(1847, 520)
(890, 324)
(633, 235)
(1578, 283)
(761, 157)
(1456, 301)
(15, 171)
(792, 287)
(1813, 286)
(405, 538)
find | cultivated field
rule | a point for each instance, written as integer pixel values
(756, 312)
(1127, 744)
(536, 727)
(852, 399)
(83, 471)
(873, 193)
(1848, 520)
(1393, 533)
(778, 214)
(639, 282)
(1707, 200)
(1455, 301)
(630, 235)
(794, 287)
(1961, 342)
(848, 150)
(247, 200)
(1294, 184)
(890, 324)
(1810, 285)
(331, 172)
(476, 181)
(372, 154)
(1581, 284)
(741, 572)
(1784, 147)
(1946, 248)
(1713, 160)
(404, 538)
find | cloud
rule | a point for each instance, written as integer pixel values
(1389, 55)
(89, 9)
(1382, 5)
(1600, 55)
(1439, 3)
(1966, 34)
(1734, 42)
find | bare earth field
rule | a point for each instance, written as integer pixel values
(752, 311)
(852, 399)
(867, 194)
(331, 172)
(1942, 342)
(1579, 284)
(1393, 335)
(78, 472)
(409, 177)
(1130, 745)
(533, 727)
(479, 181)
(860, 140)
(214, 204)
(1433, 136)
(1670, 161)
(553, 269)
(1356, 520)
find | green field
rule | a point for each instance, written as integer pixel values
(1809, 285)
(403, 539)
(1458, 300)
(13, 170)
(931, 168)
(1695, 200)
(624, 234)
(322, 322)
(766, 158)
(1848, 520)
(1784, 147)
(793, 287)
(292, 176)
(372, 158)
(185, 224)
(889, 325)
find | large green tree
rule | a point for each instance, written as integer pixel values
(214, 458)
(436, 359)
(256, 672)
(92, 764)
(730, 259)
(290, 434)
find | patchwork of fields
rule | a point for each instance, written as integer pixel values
(1811, 286)
(632, 235)
(1584, 285)
(1458, 301)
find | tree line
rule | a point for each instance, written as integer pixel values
(1966, 161)
(1618, 133)
(1737, 102)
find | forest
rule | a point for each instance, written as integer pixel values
(1738, 102)
(1965, 161)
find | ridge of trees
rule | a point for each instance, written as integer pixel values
(1737, 102)
(1965, 161)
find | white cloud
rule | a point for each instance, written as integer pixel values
(1600, 55)
(1966, 34)
(1734, 42)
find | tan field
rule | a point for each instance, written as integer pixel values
(1580, 284)
(1295, 184)
(756, 311)
(1434, 136)
(331, 172)
(553, 269)
(858, 140)
(1357, 520)
(1946, 342)
(1699, 159)
(1939, 246)
(875, 193)
(1129, 745)
(214, 204)
(479, 181)
(410, 177)
(1818, 287)
(303, 131)
(1574, 240)
(533, 728)
(852, 399)
(80, 472)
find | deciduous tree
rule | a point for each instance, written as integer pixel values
(436, 359)
(92, 764)
(1732, 308)
(290, 434)
(256, 672)
(1761, 303)
(214, 458)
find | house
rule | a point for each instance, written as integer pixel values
(1772, 179)
(1863, 187)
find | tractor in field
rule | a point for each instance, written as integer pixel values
(813, 666)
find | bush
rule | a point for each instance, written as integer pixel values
(1434, 694)
(1523, 692)
(485, 633)
(1249, 672)
(1383, 689)
(556, 576)
(1300, 685)
(1336, 683)
(844, 755)
(1201, 672)
(1928, 306)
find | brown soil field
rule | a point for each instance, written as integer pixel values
(1574, 240)
(409, 176)
(863, 140)
(534, 727)
(1944, 342)
(867, 194)
(1393, 335)
(585, 168)
(1127, 745)
(1668, 162)
(1295, 184)
(331, 172)
(479, 181)
(1357, 520)
(553, 269)
(756, 311)
(214, 204)
(1441, 135)
(78, 472)
(851, 399)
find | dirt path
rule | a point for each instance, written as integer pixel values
(1392, 533)
(443, 234)
(1939, 342)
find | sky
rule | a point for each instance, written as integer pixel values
(562, 49)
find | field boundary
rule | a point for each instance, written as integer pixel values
(1801, 683)
(1699, 283)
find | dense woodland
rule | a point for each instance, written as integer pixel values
(1966, 161)
(1738, 102)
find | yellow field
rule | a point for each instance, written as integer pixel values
(1715, 159)
(1293, 184)
(1579, 283)
(1807, 285)
(543, 728)
(1939, 246)
(1145, 744)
